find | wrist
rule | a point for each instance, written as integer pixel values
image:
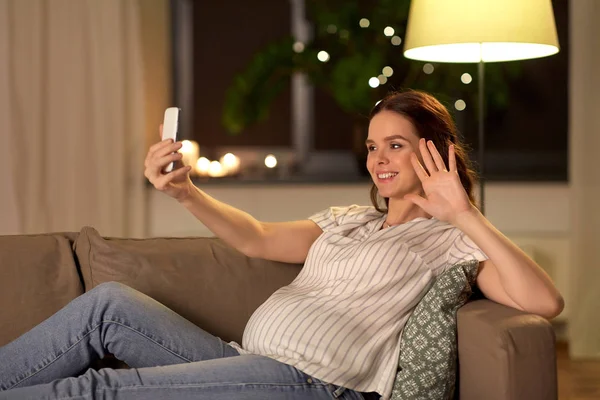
(187, 195)
(467, 217)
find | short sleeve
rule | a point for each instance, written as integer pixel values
(458, 249)
(464, 249)
(333, 217)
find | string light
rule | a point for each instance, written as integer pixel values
(373, 82)
(270, 161)
(323, 56)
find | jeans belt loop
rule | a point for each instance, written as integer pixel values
(338, 392)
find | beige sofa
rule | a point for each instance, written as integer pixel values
(503, 353)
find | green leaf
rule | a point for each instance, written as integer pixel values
(355, 57)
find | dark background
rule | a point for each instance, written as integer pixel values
(525, 142)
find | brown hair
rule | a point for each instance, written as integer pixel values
(432, 122)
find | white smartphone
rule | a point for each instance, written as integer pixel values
(170, 125)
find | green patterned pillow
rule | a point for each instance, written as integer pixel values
(428, 346)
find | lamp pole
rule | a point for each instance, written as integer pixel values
(481, 131)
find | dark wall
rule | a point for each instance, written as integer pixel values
(226, 35)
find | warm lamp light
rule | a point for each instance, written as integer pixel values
(202, 166)
(216, 170)
(190, 151)
(270, 161)
(480, 31)
(477, 30)
(231, 163)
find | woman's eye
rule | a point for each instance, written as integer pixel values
(370, 148)
(395, 145)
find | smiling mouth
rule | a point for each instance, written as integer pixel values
(387, 176)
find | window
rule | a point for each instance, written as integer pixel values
(223, 36)
(525, 140)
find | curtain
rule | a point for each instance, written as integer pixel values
(584, 179)
(71, 117)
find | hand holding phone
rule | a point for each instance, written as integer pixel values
(170, 126)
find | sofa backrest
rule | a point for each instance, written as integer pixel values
(38, 276)
(203, 279)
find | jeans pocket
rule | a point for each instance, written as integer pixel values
(337, 392)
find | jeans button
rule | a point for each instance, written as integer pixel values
(309, 380)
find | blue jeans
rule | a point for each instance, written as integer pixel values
(170, 358)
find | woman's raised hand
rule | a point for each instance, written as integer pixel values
(446, 197)
(176, 183)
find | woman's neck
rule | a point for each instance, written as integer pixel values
(401, 211)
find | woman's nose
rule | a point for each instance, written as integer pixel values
(382, 158)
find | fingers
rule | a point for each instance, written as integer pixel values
(426, 156)
(154, 166)
(157, 146)
(174, 158)
(451, 159)
(160, 150)
(179, 162)
(160, 155)
(163, 181)
(166, 146)
(439, 161)
(419, 170)
(432, 158)
(162, 143)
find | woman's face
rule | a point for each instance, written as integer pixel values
(392, 138)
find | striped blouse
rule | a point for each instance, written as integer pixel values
(340, 320)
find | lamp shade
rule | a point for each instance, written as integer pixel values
(480, 30)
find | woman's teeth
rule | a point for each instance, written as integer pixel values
(387, 175)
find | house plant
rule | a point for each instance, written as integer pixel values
(360, 39)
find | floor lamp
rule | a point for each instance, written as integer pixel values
(480, 31)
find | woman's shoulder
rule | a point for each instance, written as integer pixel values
(356, 212)
(355, 209)
(341, 215)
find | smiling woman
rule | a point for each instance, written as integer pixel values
(397, 123)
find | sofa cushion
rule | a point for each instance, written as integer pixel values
(428, 345)
(38, 276)
(202, 279)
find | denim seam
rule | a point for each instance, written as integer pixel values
(86, 335)
(149, 338)
(215, 384)
(170, 385)
(192, 385)
(197, 385)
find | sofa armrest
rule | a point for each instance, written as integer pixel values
(38, 277)
(504, 353)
